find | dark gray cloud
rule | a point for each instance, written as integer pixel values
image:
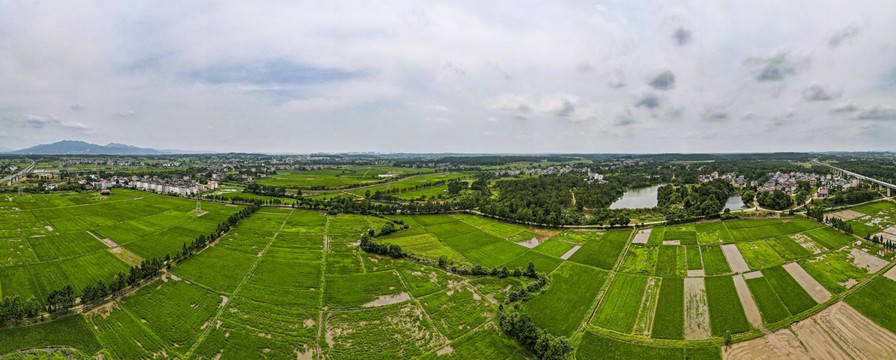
(665, 80)
(280, 72)
(566, 108)
(817, 92)
(624, 119)
(715, 114)
(32, 121)
(845, 108)
(877, 113)
(650, 101)
(77, 107)
(682, 36)
(843, 35)
(774, 68)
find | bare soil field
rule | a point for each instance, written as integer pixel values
(696, 273)
(696, 315)
(735, 259)
(847, 215)
(858, 335)
(753, 275)
(806, 243)
(818, 292)
(778, 345)
(867, 261)
(642, 236)
(746, 300)
(891, 274)
(672, 242)
(818, 343)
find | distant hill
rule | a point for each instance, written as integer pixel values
(72, 147)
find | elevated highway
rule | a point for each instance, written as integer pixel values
(19, 175)
(879, 183)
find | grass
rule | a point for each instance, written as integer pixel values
(684, 234)
(876, 300)
(599, 347)
(486, 343)
(427, 246)
(713, 233)
(174, 310)
(794, 297)
(218, 268)
(543, 263)
(124, 336)
(618, 309)
(495, 254)
(656, 235)
(759, 255)
(604, 252)
(566, 302)
(387, 332)
(714, 262)
(668, 322)
(834, 269)
(725, 310)
(770, 306)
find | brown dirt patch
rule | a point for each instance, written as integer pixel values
(858, 335)
(545, 232)
(806, 243)
(642, 236)
(735, 259)
(778, 345)
(867, 261)
(672, 242)
(818, 292)
(388, 300)
(817, 342)
(847, 214)
(696, 273)
(753, 275)
(891, 274)
(746, 300)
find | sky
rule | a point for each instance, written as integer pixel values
(451, 76)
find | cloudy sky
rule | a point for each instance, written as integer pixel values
(457, 76)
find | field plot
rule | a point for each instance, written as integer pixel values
(668, 322)
(818, 293)
(497, 253)
(695, 260)
(598, 347)
(603, 252)
(389, 332)
(427, 246)
(175, 310)
(790, 249)
(714, 262)
(648, 307)
(641, 237)
(837, 270)
(734, 258)
(124, 336)
(670, 261)
(543, 263)
(640, 259)
(770, 306)
(565, 304)
(859, 336)
(363, 290)
(696, 313)
(877, 216)
(486, 343)
(304, 221)
(712, 233)
(656, 235)
(830, 238)
(456, 310)
(685, 235)
(726, 314)
(876, 301)
(794, 297)
(424, 280)
(554, 247)
(781, 344)
(759, 255)
(218, 268)
(71, 331)
(619, 307)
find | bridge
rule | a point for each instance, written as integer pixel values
(879, 183)
(19, 175)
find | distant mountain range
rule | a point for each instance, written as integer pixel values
(72, 147)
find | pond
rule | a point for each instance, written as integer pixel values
(735, 203)
(637, 198)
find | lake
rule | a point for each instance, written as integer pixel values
(637, 198)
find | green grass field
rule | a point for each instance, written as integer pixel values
(668, 322)
(566, 302)
(770, 306)
(599, 347)
(618, 309)
(603, 252)
(725, 311)
(714, 262)
(876, 301)
(794, 297)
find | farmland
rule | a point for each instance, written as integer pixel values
(290, 282)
